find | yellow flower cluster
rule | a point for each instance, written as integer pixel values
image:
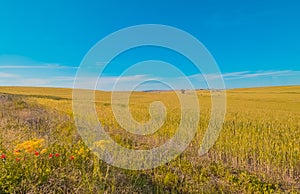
(80, 151)
(30, 146)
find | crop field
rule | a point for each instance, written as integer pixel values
(257, 151)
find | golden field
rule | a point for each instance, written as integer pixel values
(257, 151)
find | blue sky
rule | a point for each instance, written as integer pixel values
(255, 43)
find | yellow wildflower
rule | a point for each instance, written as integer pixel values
(31, 145)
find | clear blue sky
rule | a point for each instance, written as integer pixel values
(255, 43)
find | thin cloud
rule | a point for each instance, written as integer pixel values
(21, 62)
(110, 82)
(7, 75)
(59, 81)
(113, 79)
(45, 66)
(244, 75)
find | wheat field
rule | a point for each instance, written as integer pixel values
(257, 151)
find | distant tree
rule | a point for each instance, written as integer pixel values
(182, 91)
